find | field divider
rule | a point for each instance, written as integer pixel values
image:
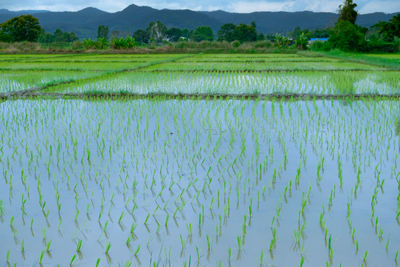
(349, 59)
(187, 96)
(266, 70)
(33, 90)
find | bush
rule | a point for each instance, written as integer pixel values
(381, 46)
(263, 44)
(77, 45)
(101, 43)
(348, 37)
(124, 43)
(320, 46)
(203, 33)
(396, 42)
(89, 44)
(302, 41)
(235, 44)
(185, 44)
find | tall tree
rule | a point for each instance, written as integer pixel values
(22, 28)
(389, 30)
(347, 36)
(347, 12)
(245, 33)
(226, 32)
(203, 33)
(141, 36)
(102, 32)
(174, 34)
(157, 31)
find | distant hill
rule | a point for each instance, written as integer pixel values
(85, 22)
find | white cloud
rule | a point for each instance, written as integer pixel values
(246, 7)
(241, 6)
(381, 6)
(310, 5)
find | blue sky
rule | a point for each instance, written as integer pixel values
(242, 6)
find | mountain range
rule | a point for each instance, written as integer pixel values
(85, 22)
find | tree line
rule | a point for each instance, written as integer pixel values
(345, 35)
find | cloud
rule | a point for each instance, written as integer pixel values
(247, 7)
(241, 6)
(309, 5)
(380, 6)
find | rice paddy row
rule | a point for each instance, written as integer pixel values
(203, 182)
(187, 160)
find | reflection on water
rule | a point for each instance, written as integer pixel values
(335, 82)
(199, 182)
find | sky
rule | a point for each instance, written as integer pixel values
(241, 6)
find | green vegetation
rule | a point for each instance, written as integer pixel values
(197, 159)
(22, 28)
(346, 35)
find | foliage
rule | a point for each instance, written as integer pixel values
(226, 33)
(176, 34)
(245, 33)
(157, 32)
(347, 12)
(235, 44)
(263, 44)
(260, 37)
(101, 43)
(22, 28)
(203, 33)
(302, 41)
(4, 37)
(320, 33)
(123, 43)
(320, 46)
(389, 30)
(58, 37)
(281, 41)
(242, 33)
(102, 32)
(347, 36)
(141, 36)
(379, 45)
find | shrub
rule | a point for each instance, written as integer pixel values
(382, 46)
(263, 44)
(348, 37)
(320, 46)
(89, 44)
(77, 45)
(101, 43)
(124, 43)
(235, 44)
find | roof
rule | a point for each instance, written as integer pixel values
(319, 39)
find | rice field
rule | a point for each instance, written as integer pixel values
(174, 178)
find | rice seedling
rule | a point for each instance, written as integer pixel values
(72, 260)
(9, 253)
(137, 251)
(192, 156)
(41, 257)
(79, 246)
(365, 257)
(48, 246)
(108, 247)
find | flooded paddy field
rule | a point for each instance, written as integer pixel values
(176, 181)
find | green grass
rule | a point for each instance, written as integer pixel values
(384, 60)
